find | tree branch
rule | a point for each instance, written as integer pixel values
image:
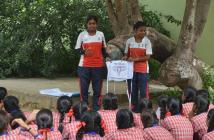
(201, 14)
(112, 15)
(134, 10)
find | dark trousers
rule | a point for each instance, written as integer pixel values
(139, 82)
(86, 75)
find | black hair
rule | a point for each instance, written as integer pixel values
(3, 93)
(145, 104)
(201, 105)
(92, 17)
(174, 106)
(149, 118)
(162, 101)
(79, 110)
(110, 102)
(3, 121)
(92, 122)
(204, 93)
(124, 119)
(189, 93)
(64, 104)
(44, 120)
(210, 119)
(139, 24)
(11, 105)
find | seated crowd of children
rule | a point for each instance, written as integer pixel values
(191, 118)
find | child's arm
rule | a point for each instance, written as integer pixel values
(139, 59)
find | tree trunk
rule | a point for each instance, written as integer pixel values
(179, 68)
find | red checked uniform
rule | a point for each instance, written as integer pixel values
(187, 108)
(56, 117)
(13, 137)
(199, 124)
(208, 136)
(52, 135)
(109, 116)
(137, 120)
(179, 126)
(70, 130)
(157, 133)
(126, 134)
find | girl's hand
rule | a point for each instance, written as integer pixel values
(88, 52)
(131, 59)
(21, 123)
(32, 116)
(124, 57)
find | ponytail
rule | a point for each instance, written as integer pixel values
(64, 104)
(162, 101)
(91, 122)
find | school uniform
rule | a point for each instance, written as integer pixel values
(187, 108)
(7, 136)
(208, 136)
(56, 117)
(157, 133)
(70, 130)
(51, 135)
(199, 124)
(23, 132)
(109, 117)
(125, 134)
(137, 120)
(179, 126)
(139, 81)
(91, 68)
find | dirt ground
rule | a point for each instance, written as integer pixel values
(27, 90)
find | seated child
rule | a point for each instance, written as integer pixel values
(205, 93)
(152, 131)
(144, 104)
(125, 127)
(91, 127)
(210, 123)
(64, 114)
(198, 116)
(188, 98)
(179, 126)
(108, 113)
(4, 124)
(70, 129)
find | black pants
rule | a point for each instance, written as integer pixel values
(86, 75)
(139, 82)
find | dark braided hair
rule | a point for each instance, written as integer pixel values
(64, 104)
(92, 122)
(11, 105)
(79, 109)
(162, 101)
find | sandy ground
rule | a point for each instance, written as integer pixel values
(27, 90)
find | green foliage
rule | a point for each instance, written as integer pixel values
(154, 67)
(154, 19)
(37, 38)
(208, 80)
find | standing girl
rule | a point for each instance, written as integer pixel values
(91, 46)
(138, 50)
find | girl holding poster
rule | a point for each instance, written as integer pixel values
(138, 50)
(91, 46)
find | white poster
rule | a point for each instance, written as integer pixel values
(119, 70)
